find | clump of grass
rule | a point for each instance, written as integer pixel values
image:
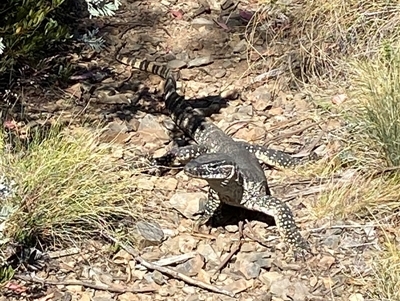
(377, 95)
(317, 37)
(385, 273)
(373, 139)
(331, 31)
(375, 114)
(358, 194)
(66, 187)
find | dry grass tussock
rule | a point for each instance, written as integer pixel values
(66, 186)
(317, 37)
(351, 47)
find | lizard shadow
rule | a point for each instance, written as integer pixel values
(233, 215)
(152, 103)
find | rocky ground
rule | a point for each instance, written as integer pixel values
(252, 98)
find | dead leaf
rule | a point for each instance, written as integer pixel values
(339, 98)
(222, 25)
(75, 90)
(177, 14)
(245, 15)
(15, 287)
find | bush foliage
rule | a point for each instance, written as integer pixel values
(27, 26)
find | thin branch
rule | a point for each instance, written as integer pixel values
(169, 271)
(233, 251)
(103, 287)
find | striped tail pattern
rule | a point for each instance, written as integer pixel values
(182, 113)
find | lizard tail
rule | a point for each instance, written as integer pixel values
(182, 113)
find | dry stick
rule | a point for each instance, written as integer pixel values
(171, 260)
(233, 251)
(307, 151)
(286, 124)
(385, 170)
(294, 132)
(169, 271)
(63, 253)
(203, 235)
(253, 236)
(103, 287)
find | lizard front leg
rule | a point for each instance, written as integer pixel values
(210, 208)
(180, 156)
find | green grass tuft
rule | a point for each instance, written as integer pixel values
(67, 185)
(377, 111)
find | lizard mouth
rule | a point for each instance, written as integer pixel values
(207, 173)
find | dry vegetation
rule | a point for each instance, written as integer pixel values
(62, 182)
(351, 47)
(66, 189)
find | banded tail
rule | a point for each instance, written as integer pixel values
(182, 113)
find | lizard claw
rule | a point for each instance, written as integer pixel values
(302, 250)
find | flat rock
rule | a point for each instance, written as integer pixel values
(241, 46)
(200, 61)
(166, 184)
(187, 203)
(146, 183)
(327, 261)
(151, 129)
(298, 291)
(218, 73)
(245, 110)
(261, 98)
(270, 277)
(189, 74)
(150, 231)
(208, 252)
(275, 111)
(232, 228)
(253, 256)
(176, 64)
(332, 242)
(204, 276)
(133, 124)
(280, 287)
(230, 94)
(249, 269)
(192, 266)
(239, 285)
(117, 126)
(356, 297)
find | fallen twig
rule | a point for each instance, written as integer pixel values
(171, 260)
(253, 235)
(307, 151)
(203, 235)
(292, 133)
(286, 124)
(62, 253)
(385, 170)
(103, 287)
(233, 251)
(169, 271)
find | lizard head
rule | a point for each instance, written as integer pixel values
(213, 166)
